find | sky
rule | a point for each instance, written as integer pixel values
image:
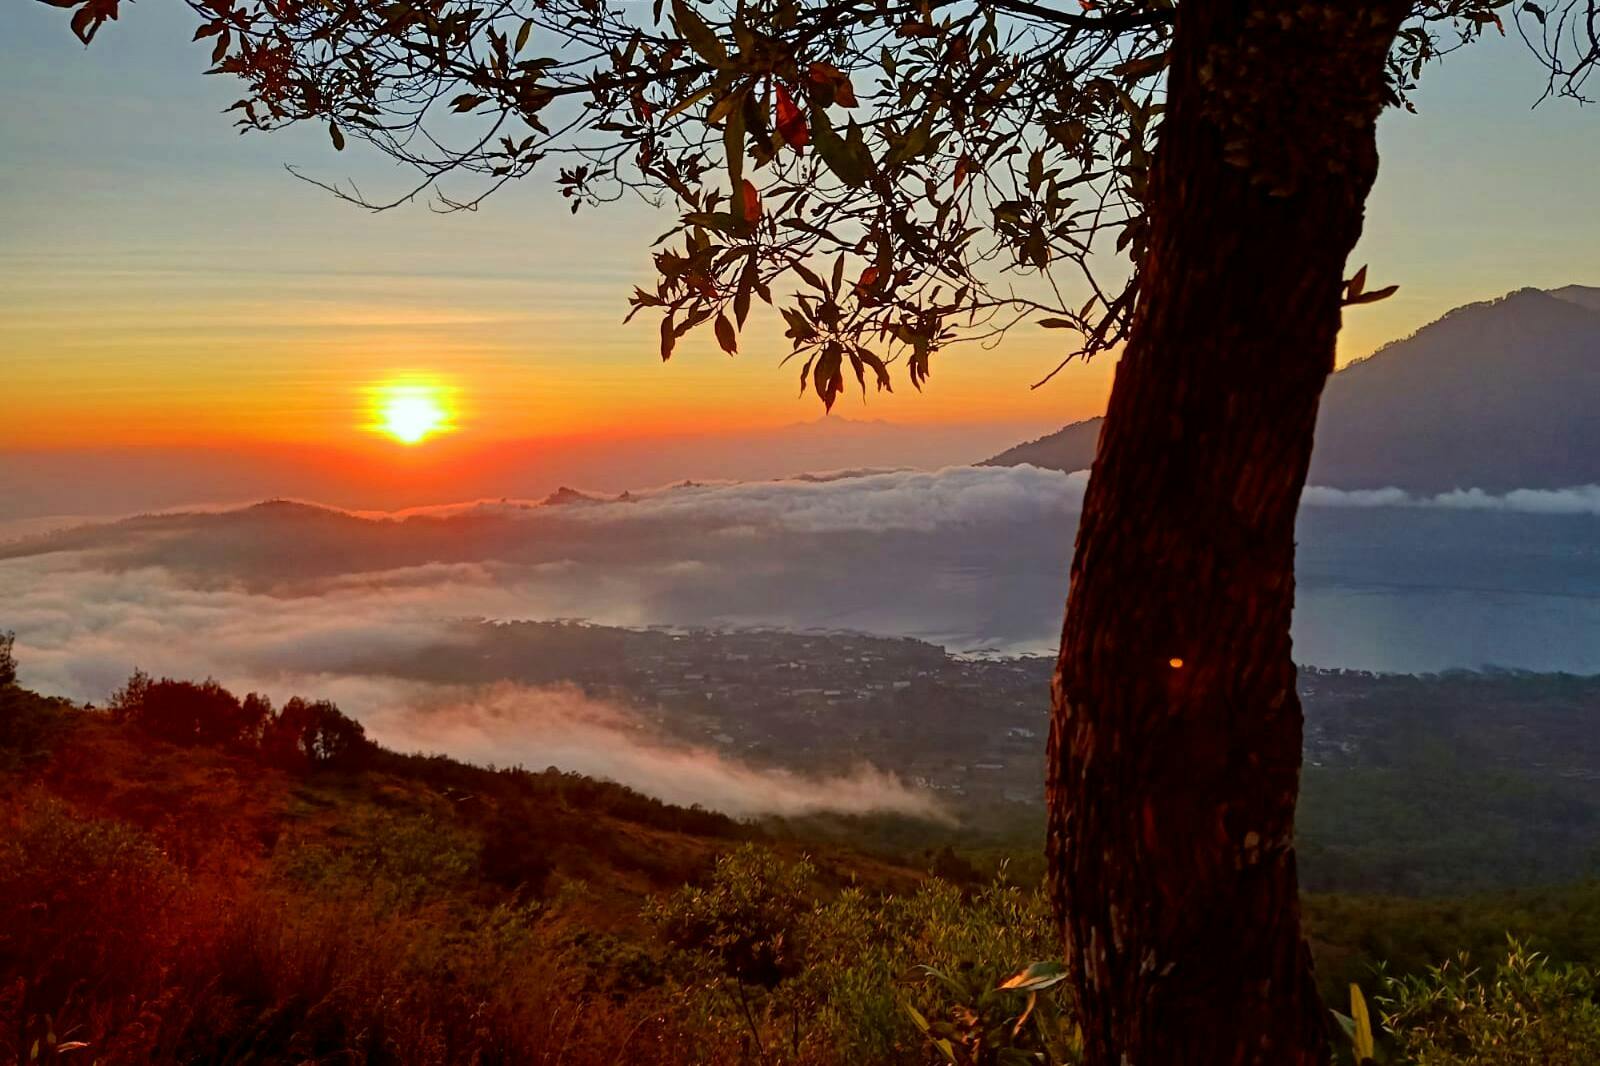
(167, 288)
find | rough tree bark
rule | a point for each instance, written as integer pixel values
(1176, 730)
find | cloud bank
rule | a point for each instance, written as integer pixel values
(292, 597)
(83, 630)
(1578, 500)
(559, 726)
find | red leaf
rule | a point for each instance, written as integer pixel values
(834, 82)
(791, 121)
(88, 19)
(751, 202)
(963, 168)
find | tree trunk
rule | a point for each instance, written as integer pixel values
(1176, 731)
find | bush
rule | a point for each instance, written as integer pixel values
(92, 917)
(862, 977)
(882, 969)
(29, 724)
(304, 735)
(1525, 1012)
(391, 861)
(747, 917)
(187, 712)
(110, 953)
(307, 735)
(8, 661)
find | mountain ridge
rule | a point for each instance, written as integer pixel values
(1496, 395)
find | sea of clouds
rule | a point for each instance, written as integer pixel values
(294, 598)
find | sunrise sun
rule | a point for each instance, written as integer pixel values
(411, 411)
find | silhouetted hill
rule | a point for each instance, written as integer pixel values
(1497, 395)
(532, 830)
(1068, 448)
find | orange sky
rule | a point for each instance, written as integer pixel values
(194, 356)
(163, 281)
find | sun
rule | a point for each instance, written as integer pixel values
(411, 412)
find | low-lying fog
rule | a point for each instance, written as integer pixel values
(285, 597)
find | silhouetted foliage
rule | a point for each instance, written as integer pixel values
(28, 724)
(311, 734)
(8, 661)
(28, 721)
(303, 735)
(186, 712)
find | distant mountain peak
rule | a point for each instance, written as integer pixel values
(1498, 395)
(565, 496)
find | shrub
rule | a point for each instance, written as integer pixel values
(747, 917)
(29, 723)
(513, 856)
(8, 661)
(867, 978)
(1525, 1012)
(891, 977)
(389, 860)
(92, 915)
(308, 735)
(188, 712)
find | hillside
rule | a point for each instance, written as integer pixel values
(535, 834)
(1498, 395)
(195, 901)
(166, 902)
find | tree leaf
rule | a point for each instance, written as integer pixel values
(791, 121)
(878, 369)
(336, 136)
(827, 376)
(733, 145)
(698, 35)
(741, 296)
(810, 276)
(688, 101)
(1138, 69)
(840, 156)
(1037, 976)
(1374, 296)
(749, 203)
(669, 337)
(1365, 1047)
(727, 337)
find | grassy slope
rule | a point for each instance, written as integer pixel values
(231, 813)
(585, 855)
